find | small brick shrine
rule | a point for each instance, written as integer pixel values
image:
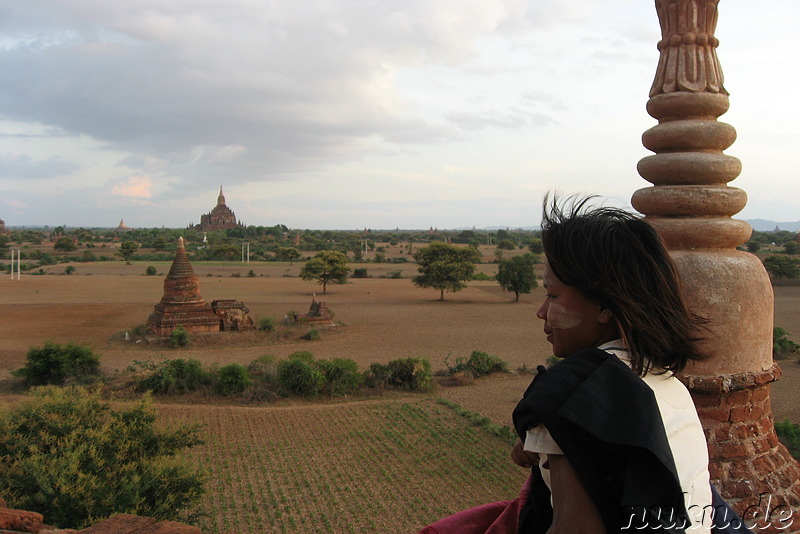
(233, 315)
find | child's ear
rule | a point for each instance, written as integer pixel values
(605, 316)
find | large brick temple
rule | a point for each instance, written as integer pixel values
(219, 218)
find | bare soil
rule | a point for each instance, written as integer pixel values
(379, 319)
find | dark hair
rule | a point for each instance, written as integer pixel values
(618, 260)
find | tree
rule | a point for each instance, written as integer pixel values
(445, 267)
(517, 274)
(126, 250)
(535, 246)
(288, 254)
(65, 244)
(71, 457)
(226, 252)
(327, 266)
(506, 244)
(782, 266)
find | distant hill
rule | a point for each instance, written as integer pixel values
(762, 225)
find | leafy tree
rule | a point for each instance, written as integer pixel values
(69, 269)
(225, 253)
(69, 456)
(288, 254)
(54, 364)
(65, 244)
(506, 244)
(445, 267)
(126, 250)
(791, 247)
(782, 266)
(536, 246)
(326, 267)
(517, 274)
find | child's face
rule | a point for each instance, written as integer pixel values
(572, 322)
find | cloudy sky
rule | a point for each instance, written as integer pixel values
(361, 113)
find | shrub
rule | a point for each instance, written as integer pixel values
(341, 376)
(482, 277)
(69, 269)
(251, 274)
(232, 379)
(360, 272)
(782, 346)
(69, 456)
(55, 364)
(789, 435)
(179, 337)
(151, 271)
(478, 364)
(311, 335)
(410, 373)
(481, 363)
(173, 376)
(266, 323)
(300, 377)
(263, 368)
(377, 376)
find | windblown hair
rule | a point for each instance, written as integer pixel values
(619, 261)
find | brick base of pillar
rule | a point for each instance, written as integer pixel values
(749, 467)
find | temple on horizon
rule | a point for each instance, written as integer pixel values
(219, 218)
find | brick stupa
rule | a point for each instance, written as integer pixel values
(182, 304)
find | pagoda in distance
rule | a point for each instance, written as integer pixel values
(219, 218)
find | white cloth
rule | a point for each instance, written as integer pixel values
(684, 434)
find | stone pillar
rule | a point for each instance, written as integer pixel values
(691, 205)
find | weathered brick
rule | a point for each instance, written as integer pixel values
(20, 520)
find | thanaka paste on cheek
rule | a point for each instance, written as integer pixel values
(561, 318)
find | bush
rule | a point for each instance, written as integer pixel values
(265, 323)
(482, 277)
(789, 434)
(151, 271)
(232, 379)
(341, 376)
(311, 335)
(69, 269)
(782, 346)
(300, 377)
(410, 373)
(173, 376)
(377, 376)
(70, 457)
(55, 364)
(360, 272)
(179, 337)
(478, 364)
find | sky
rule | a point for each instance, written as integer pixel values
(352, 114)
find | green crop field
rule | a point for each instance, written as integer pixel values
(388, 466)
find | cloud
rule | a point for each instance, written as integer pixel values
(15, 165)
(135, 186)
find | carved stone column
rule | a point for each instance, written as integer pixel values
(691, 204)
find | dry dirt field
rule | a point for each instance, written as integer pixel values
(381, 319)
(254, 487)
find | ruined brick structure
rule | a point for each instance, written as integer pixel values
(233, 315)
(182, 304)
(691, 205)
(219, 218)
(3, 229)
(318, 313)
